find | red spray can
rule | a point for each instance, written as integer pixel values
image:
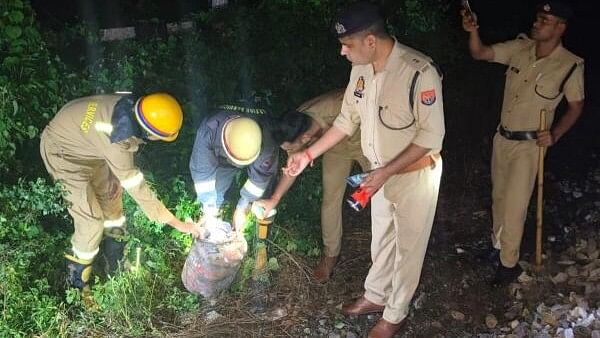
(359, 198)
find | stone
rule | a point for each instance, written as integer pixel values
(561, 277)
(457, 315)
(491, 321)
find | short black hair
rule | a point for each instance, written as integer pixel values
(289, 126)
(377, 29)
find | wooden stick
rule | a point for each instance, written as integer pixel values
(540, 196)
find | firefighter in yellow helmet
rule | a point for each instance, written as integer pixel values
(232, 139)
(89, 147)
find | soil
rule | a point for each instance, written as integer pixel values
(454, 296)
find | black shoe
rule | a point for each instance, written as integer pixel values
(505, 276)
(490, 256)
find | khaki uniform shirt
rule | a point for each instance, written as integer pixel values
(380, 104)
(324, 109)
(82, 128)
(534, 84)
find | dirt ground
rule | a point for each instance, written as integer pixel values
(454, 296)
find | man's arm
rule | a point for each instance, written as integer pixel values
(298, 161)
(547, 138)
(379, 176)
(283, 186)
(478, 50)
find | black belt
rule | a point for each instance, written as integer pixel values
(517, 135)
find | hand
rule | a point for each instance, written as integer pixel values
(267, 205)
(469, 21)
(192, 228)
(375, 180)
(239, 219)
(296, 163)
(545, 138)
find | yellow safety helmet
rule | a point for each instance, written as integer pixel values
(241, 139)
(160, 115)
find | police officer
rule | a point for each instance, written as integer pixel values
(540, 73)
(395, 95)
(320, 112)
(89, 146)
(227, 142)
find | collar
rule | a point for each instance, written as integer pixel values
(556, 52)
(395, 58)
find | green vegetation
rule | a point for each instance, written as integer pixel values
(279, 47)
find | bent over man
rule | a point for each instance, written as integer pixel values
(89, 147)
(395, 95)
(540, 73)
(320, 112)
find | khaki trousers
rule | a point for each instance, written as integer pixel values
(400, 228)
(336, 167)
(93, 194)
(514, 171)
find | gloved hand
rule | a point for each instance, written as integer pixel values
(239, 218)
(262, 208)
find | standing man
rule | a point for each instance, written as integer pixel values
(540, 73)
(321, 111)
(395, 95)
(89, 146)
(227, 142)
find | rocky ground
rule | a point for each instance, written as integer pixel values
(454, 298)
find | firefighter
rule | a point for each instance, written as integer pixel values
(234, 138)
(319, 113)
(89, 147)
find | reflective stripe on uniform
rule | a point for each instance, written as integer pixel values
(113, 223)
(253, 189)
(104, 127)
(132, 181)
(204, 186)
(85, 255)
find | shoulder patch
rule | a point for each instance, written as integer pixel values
(415, 61)
(428, 97)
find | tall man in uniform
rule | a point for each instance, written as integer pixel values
(89, 147)
(540, 73)
(395, 95)
(320, 112)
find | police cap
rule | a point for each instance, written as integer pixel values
(557, 8)
(356, 18)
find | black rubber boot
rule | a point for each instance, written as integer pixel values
(79, 271)
(112, 249)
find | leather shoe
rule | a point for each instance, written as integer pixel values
(504, 276)
(324, 269)
(385, 329)
(361, 306)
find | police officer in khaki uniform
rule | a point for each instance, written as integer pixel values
(540, 73)
(88, 147)
(321, 111)
(395, 95)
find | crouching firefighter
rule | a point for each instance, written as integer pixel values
(88, 147)
(232, 139)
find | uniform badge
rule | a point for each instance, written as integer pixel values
(360, 87)
(428, 97)
(339, 28)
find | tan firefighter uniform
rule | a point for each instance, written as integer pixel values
(531, 85)
(402, 211)
(77, 151)
(337, 164)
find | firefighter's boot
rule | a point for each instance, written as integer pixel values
(112, 249)
(79, 271)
